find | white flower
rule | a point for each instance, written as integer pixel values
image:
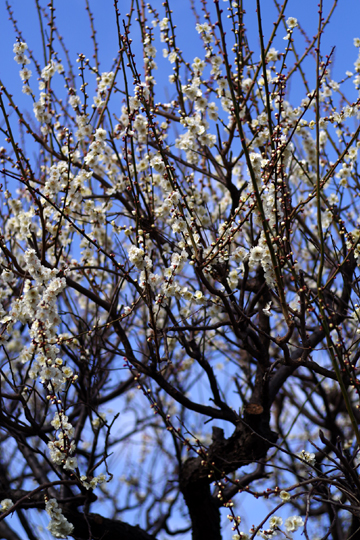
(59, 525)
(48, 71)
(136, 256)
(98, 101)
(199, 297)
(20, 47)
(74, 101)
(191, 91)
(275, 521)
(164, 23)
(172, 57)
(22, 59)
(198, 65)
(309, 457)
(256, 254)
(203, 28)
(293, 523)
(107, 78)
(25, 74)
(150, 50)
(272, 55)
(26, 90)
(333, 199)
(233, 279)
(99, 421)
(292, 22)
(158, 164)
(68, 372)
(56, 423)
(284, 496)
(212, 111)
(216, 62)
(6, 504)
(100, 134)
(70, 464)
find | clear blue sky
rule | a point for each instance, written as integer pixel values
(73, 24)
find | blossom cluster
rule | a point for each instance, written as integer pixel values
(292, 524)
(21, 58)
(59, 525)
(61, 450)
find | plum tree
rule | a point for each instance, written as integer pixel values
(179, 282)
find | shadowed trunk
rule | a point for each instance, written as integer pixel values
(225, 456)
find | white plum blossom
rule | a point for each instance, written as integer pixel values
(292, 22)
(136, 256)
(6, 504)
(20, 47)
(199, 297)
(309, 457)
(50, 70)
(293, 523)
(59, 525)
(172, 57)
(204, 27)
(275, 522)
(25, 74)
(70, 464)
(284, 496)
(272, 55)
(158, 164)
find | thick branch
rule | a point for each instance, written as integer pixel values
(97, 527)
(223, 456)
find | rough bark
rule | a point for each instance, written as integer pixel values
(96, 527)
(249, 443)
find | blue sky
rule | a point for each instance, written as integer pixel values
(73, 23)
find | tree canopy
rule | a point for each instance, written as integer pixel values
(179, 279)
